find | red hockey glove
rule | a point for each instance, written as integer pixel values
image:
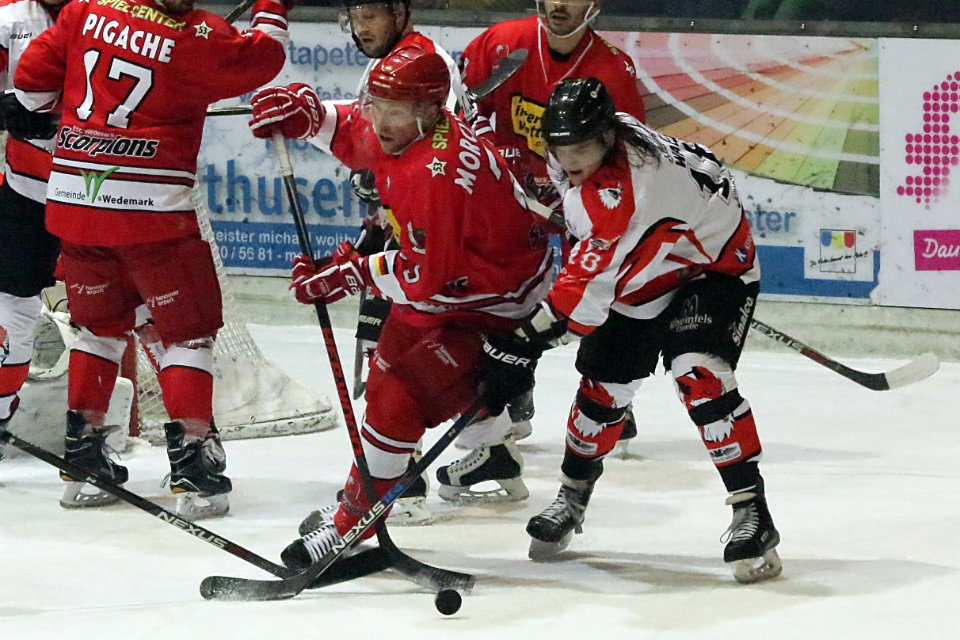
(312, 285)
(294, 111)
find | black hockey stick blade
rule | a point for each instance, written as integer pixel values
(916, 370)
(230, 588)
(507, 66)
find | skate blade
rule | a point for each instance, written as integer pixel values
(750, 570)
(511, 490)
(410, 512)
(542, 551)
(192, 506)
(80, 495)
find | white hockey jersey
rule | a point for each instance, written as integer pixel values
(645, 227)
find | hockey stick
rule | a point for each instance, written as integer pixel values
(344, 570)
(359, 384)
(423, 574)
(507, 66)
(238, 10)
(916, 370)
(227, 588)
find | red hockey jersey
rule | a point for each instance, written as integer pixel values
(645, 227)
(467, 242)
(136, 84)
(513, 112)
(27, 162)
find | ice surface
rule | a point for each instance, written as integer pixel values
(863, 486)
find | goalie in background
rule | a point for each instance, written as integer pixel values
(470, 265)
(664, 267)
(28, 252)
(561, 43)
(119, 198)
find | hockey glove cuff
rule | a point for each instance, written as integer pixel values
(545, 329)
(506, 370)
(295, 111)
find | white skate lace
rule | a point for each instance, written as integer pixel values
(474, 459)
(746, 523)
(562, 509)
(320, 541)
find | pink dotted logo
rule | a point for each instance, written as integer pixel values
(936, 150)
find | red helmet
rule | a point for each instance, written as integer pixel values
(410, 74)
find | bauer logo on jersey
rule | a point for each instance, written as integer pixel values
(527, 119)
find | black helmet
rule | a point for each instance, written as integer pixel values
(579, 109)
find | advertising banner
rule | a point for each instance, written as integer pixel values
(920, 168)
(796, 119)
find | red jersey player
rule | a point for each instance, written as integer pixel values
(28, 252)
(134, 79)
(664, 267)
(470, 262)
(379, 27)
(561, 44)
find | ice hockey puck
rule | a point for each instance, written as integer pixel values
(447, 601)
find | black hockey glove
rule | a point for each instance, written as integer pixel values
(506, 370)
(372, 239)
(373, 313)
(365, 187)
(544, 329)
(23, 124)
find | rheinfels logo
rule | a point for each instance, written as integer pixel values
(936, 249)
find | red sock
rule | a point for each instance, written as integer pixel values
(91, 382)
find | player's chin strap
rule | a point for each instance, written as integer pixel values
(589, 17)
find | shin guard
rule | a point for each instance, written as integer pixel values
(708, 388)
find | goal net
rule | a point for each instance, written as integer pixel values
(252, 397)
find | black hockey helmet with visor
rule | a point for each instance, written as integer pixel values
(391, 5)
(579, 109)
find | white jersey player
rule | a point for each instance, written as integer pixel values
(663, 267)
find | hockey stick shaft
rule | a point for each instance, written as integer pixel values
(504, 70)
(423, 574)
(508, 66)
(227, 588)
(238, 11)
(370, 561)
(919, 369)
(145, 505)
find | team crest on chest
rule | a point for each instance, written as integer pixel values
(611, 196)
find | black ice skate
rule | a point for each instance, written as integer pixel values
(308, 549)
(552, 529)
(521, 412)
(629, 433)
(196, 468)
(501, 463)
(751, 538)
(86, 448)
